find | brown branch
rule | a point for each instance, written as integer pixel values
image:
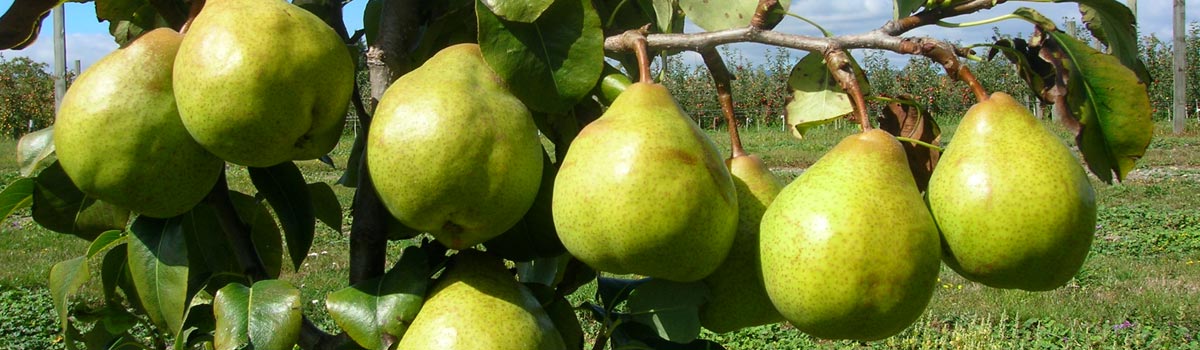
(721, 78)
(884, 38)
(946, 55)
(929, 17)
(838, 62)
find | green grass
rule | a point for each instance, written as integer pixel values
(1139, 289)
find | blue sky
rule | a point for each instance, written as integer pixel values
(88, 40)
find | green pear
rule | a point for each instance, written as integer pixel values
(452, 152)
(119, 138)
(737, 298)
(534, 236)
(261, 82)
(477, 304)
(849, 250)
(1015, 208)
(643, 190)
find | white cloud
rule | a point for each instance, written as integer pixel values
(85, 47)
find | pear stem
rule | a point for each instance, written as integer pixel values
(838, 62)
(760, 13)
(721, 78)
(643, 59)
(197, 5)
(921, 143)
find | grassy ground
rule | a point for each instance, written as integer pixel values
(1140, 288)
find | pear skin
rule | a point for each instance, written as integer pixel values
(849, 250)
(477, 304)
(452, 152)
(119, 137)
(737, 298)
(643, 190)
(1015, 208)
(261, 82)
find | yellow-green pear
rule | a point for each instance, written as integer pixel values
(1014, 206)
(452, 152)
(119, 138)
(261, 82)
(849, 250)
(477, 304)
(643, 190)
(737, 298)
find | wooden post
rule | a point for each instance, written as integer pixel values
(1179, 100)
(60, 57)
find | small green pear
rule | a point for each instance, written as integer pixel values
(643, 190)
(1015, 208)
(737, 298)
(119, 138)
(477, 304)
(849, 250)
(452, 152)
(261, 82)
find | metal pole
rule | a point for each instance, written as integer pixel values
(1179, 46)
(60, 56)
(1133, 7)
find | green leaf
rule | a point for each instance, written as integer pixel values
(524, 11)
(263, 231)
(1113, 24)
(158, 265)
(1036, 18)
(285, 189)
(565, 321)
(816, 97)
(540, 270)
(105, 241)
(671, 308)
(141, 20)
(207, 246)
(375, 313)
(19, 25)
(35, 150)
(354, 161)
(326, 206)
(61, 207)
(549, 64)
(65, 278)
(265, 316)
(114, 270)
(713, 15)
(1112, 106)
(371, 17)
(664, 14)
(118, 10)
(904, 8)
(15, 196)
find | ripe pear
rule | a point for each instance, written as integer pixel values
(453, 152)
(119, 138)
(1014, 206)
(477, 304)
(849, 250)
(643, 190)
(737, 298)
(534, 236)
(261, 82)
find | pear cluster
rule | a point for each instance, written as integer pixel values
(850, 250)
(253, 82)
